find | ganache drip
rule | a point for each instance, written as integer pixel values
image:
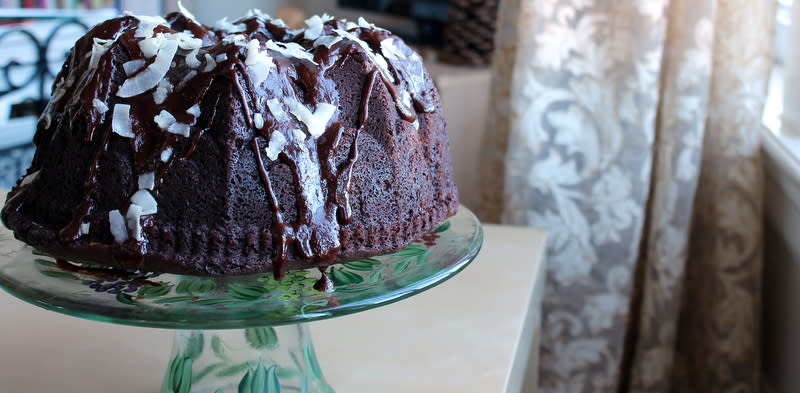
(168, 66)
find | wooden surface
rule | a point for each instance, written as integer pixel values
(471, 334)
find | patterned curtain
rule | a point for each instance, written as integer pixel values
(629, 130)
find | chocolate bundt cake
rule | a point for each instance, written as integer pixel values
(170, 146)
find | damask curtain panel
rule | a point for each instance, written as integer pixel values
(628, 129)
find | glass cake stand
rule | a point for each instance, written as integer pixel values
(242, 334)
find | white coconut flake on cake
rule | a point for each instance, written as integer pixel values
(180, 129)
(121, 120)
(228, 27)
(235, 39)
(151, 45)
(221, 57)
(133, 66)
(151, 75)
(186, 78)
(277, 141)
(317, 121)
(299, 136)
(258, 120)
(313, 27)
(276, 108)
(162, 90)
(29, 179)
(147, 24)
(185, 12)
(133, 218)
(376, 58)
(191, 59)
(85, 227)
(327, 40)
(210, 63)
(166, 154)
(194, 110)
(258, 62)
(99, 48)
(290, 49)
(188, 42)
(391, 51)
(100, 106)
(147, 181)
(116, 224)
(144, 199)
(164, 119)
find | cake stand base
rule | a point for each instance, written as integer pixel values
(253, 360)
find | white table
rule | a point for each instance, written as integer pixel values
(471, 334)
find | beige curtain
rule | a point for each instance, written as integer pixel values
(628, 129)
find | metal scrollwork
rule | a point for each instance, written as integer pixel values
(40, 68)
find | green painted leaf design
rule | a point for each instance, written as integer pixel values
(44, 262)
(194, 345)
(245, 385)
(412, 250)
(151, 291)
(311, 361)
(364, 265)
(173, 299)
(219, 391)
(231, 370)
(376, 276)
(343, 277)
(216, 346)
(193, 285)
(58, 274)
(246, 292)
(441, 228)
(287, 373)
(423, 259)
(261, 337)
(260, 380)
(401, 266)
(125, 298)
(204, 372)
(180, 375)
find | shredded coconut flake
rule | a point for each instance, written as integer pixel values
(317, 121)
(362, 23)
(85, 226)
(350, 25)
(164, 119)
(258, 120)
(290, 49)
(327, 40)
(221, 57)
(313, 27)
(133, 66)
(299, 135)
(180, 129)
(229, 27)
(150, 46)
(144, 199)
(147, 24)
(210, 63)
(189, 75)
(121, 120)
(161, 92)
(391, 51)
(151, 75)
(100, 106)
(191, 59)
(133, 217)
(29, 179)
(376, 58)
(99, 48)
(194, 110)
(116, 224)
(275, 107)
(416, 124)
(185, 12)
(277, 141)
(236, 39)
(166, 154)
(147, 181)
(188, 42)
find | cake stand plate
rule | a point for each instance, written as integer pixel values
(242, 334)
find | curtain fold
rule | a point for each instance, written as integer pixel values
(629, 131)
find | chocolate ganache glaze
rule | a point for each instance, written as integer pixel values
(172, 146)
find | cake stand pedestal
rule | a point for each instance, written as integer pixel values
(244, 334)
